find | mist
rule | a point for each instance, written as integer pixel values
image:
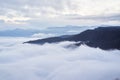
(20, 61)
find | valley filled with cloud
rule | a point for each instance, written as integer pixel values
(55, 61)
(23, 23)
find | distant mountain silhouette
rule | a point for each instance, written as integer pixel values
(50, 30)
(18, 33)
(103, 37)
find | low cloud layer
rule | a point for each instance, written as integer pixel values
(44, 13)
(55, 62)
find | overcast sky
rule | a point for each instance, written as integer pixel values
(46, 13)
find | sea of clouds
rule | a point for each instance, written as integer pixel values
(56, 62)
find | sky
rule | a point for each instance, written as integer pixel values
(49, 13)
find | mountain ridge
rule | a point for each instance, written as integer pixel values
(102, 37)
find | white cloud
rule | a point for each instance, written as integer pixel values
(60, 12)
(43, 35)
(14, 20)
(54, 62)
